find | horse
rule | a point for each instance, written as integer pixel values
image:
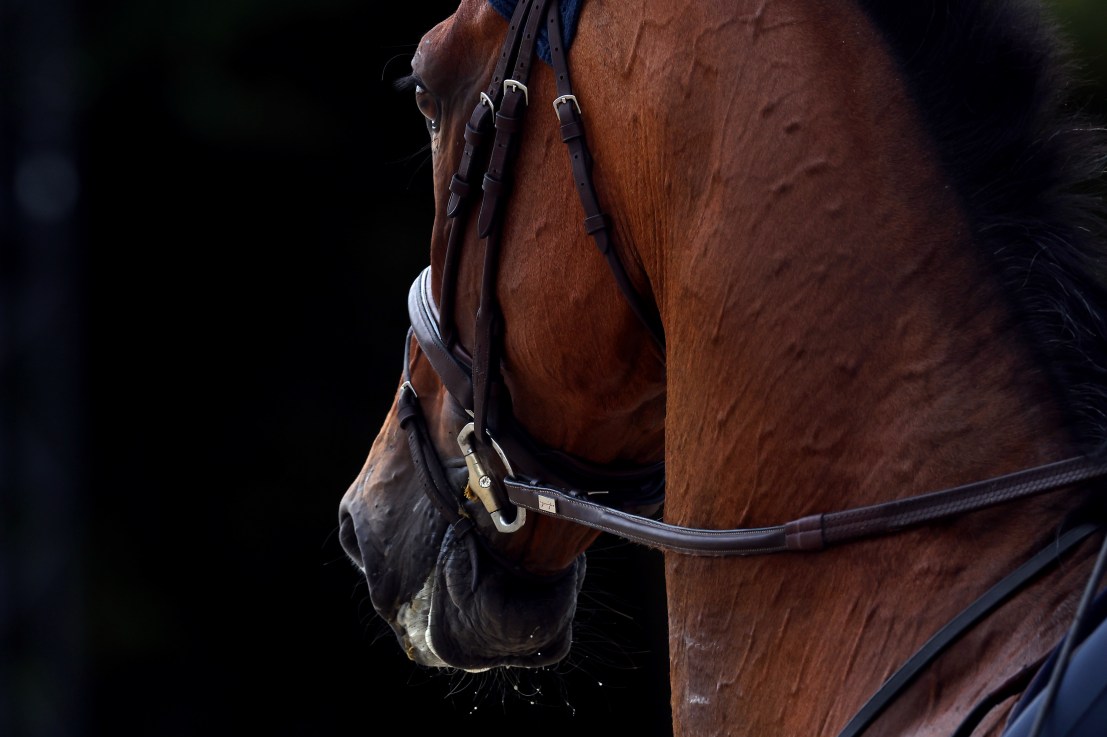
(807, 295)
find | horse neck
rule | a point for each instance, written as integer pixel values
(827, 313)
(833, 340)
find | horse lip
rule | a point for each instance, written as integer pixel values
(448, 624)
(467, 627)
(348, 538)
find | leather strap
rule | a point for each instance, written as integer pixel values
(960, 624)
(509, 122)
(1076, 632)
(879, 519)
(808, 533)
(1013, 686)
(424, 326)
(461, 189)
(489, 323)
(596, 223)
(481, 119)
(427, 465)
(643, 530)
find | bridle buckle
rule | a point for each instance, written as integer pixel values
(515, 85)
(564, 99)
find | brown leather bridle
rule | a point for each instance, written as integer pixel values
(620, 500)
(546, 480)
(474, 380)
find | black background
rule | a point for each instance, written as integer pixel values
(254, 202)
(197, 358)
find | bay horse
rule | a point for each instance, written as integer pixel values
(838, 263)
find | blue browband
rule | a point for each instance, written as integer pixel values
(570, 13)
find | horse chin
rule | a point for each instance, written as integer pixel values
(494, 618)
(451, 602)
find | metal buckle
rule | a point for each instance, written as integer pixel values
(486, 100)
(515, 85)
(480, 483)
(407, 385)
(567, 98)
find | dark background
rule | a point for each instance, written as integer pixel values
(211, 212)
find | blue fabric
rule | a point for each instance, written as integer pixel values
(570, 13)
(1080, 707)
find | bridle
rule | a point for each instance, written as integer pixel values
(620, 499)
(475, 381)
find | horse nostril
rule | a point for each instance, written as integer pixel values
(348, 538)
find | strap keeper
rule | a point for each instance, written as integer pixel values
(595, 222)
(407, 408)
(473, 136)
(459, 186)
(572, 129)
(492, 185)
(805, 534)
(506, 123)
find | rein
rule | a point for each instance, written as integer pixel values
(814, 532)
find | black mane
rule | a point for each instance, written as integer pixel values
(994, 85)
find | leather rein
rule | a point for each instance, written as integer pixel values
(621, 500)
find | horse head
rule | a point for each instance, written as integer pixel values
(464, 579)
